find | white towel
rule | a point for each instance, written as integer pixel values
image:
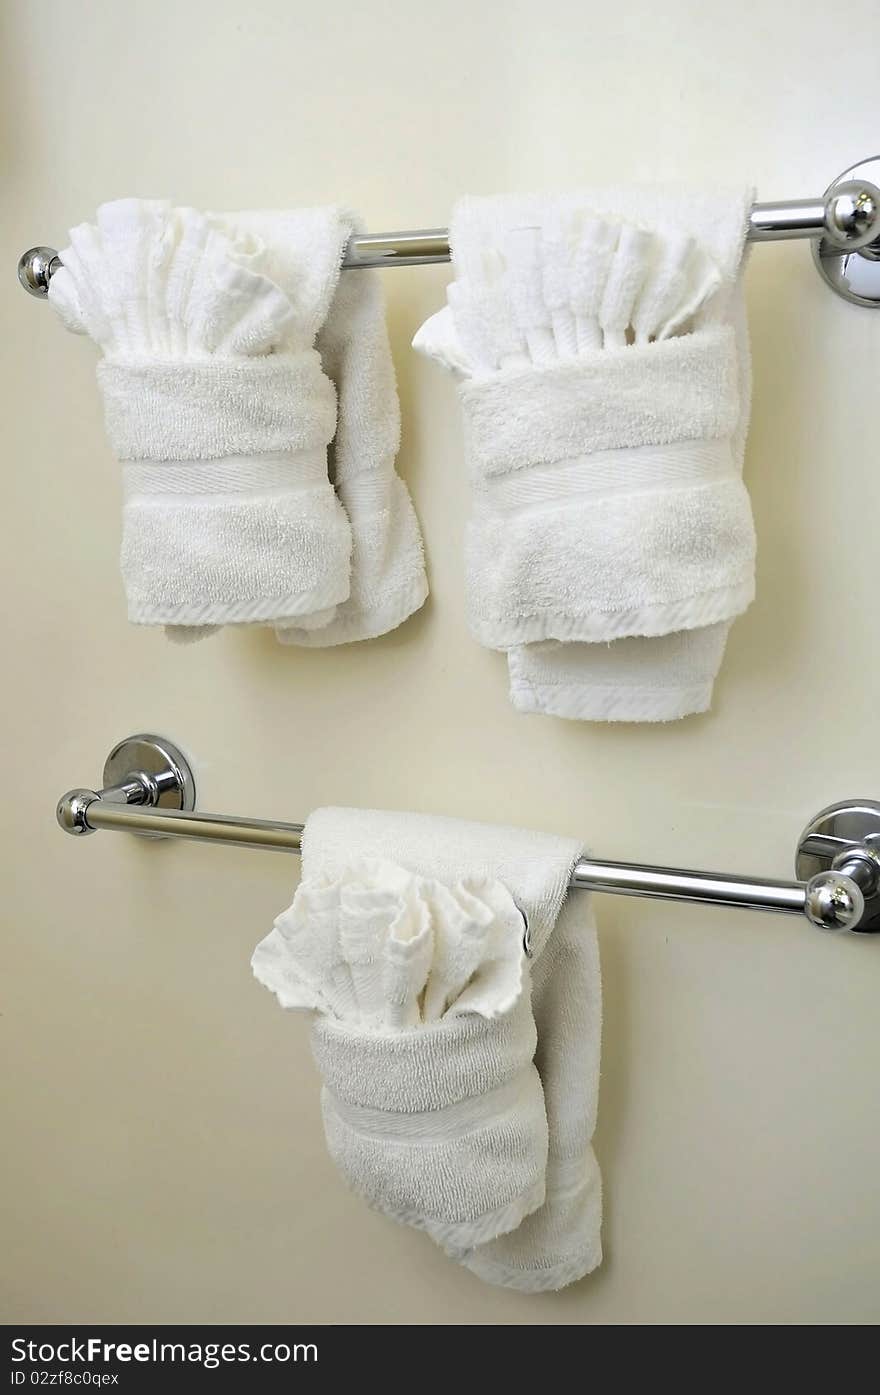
(460, 1078)
(227, 340)
(600, 343)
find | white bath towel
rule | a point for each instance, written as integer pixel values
(599, 339)
(460, 1077)
(227, 340)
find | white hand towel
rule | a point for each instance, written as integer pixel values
(460, 1078)
(600, 343)
(387, 581)
(221, 410)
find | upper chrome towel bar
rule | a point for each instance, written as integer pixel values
(149, 789)
(845, 223)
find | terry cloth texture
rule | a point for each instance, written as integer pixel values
(234, 354)
(460, 1077)
(600, 346)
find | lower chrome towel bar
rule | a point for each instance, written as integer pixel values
(149, 789)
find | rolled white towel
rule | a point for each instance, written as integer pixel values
(460, 1079)
(387, 575)
(599, 340)
(221, 411)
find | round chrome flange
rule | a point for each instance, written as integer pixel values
(159, 759)
(841, 830)
(854, 275)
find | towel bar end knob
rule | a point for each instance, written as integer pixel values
(834, 901)
(852, 214)
(848, 256)
(72, 811)
(36, 267)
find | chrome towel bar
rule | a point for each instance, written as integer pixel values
(845, 223)
(149, 789)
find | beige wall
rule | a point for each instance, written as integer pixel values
(162, 1155)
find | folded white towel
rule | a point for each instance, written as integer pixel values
(604, 378)
(460, 1078)
(387, 580)
(221, 408)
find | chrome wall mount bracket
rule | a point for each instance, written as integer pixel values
(150, 790)
(845, 838)
(853, 274)
(141, 770)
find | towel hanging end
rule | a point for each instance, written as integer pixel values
(149, 789)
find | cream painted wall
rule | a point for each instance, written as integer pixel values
(162, 1157)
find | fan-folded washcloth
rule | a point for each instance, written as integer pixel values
(228, 340)
(600, 343)
(460, 1076)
